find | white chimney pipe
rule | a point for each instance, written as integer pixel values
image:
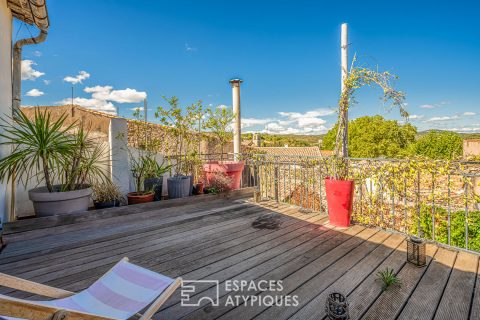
(344, 54)
(237, 126)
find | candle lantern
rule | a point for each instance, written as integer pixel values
(416, 251)
(336, 307)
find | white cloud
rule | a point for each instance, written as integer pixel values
(35, 93)
(28, 73)
(103, 97)
(466, 129)
(469, 113)
(82, 75)
(189, 48)
(120, 96)
(445, 118)
(427, 106)
(251, 122)
(415, 116)
(139, 109)
(47, 82)
(99, 105)
(308, 122)
(37, 53)
(309, 114)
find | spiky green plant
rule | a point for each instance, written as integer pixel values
(388, 278)
(39, 147)
(50, 151)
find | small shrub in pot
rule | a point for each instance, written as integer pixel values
(106, 195)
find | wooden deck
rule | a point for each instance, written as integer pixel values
(214, 240)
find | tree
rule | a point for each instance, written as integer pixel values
(219, 122)
(441, 145)
(374, 136)
(357, 78)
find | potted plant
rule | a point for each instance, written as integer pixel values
(106, 195)
(181, 124)
(154, 177)
(219, 183)
(199, 187)
(61, 156)
(139, 166)
(219, 123)
(338, 187)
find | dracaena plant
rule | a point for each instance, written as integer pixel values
(49, 151)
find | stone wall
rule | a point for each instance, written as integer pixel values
(471, 148)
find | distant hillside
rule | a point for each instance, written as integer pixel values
(463, 135)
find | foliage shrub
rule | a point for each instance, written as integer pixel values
(457, 221)
(374, 136)
(440, 145)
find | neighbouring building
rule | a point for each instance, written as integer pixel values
(33, 12)
(471, 148)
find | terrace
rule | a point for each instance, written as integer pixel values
(211, 237)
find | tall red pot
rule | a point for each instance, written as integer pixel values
(233, 169)
(339, 201)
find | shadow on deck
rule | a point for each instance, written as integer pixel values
(212, 238)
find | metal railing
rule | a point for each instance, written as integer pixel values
(435, 200)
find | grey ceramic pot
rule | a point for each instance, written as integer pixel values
(54, 203)
(178, 187)
(155, 184)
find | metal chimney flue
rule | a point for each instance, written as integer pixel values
(237, 126)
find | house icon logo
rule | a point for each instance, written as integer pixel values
(191, 287)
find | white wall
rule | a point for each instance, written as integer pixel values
(5, 85)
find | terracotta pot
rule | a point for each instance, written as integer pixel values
(339, 201)
(233, 169)
(54, 203)
(139, 197)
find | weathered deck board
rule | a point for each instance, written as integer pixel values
(278, 268)
(475, 312)
(390, 302)
(424, 300)
(368, 291)
(456, 299)
(351, 279)
(214, 240)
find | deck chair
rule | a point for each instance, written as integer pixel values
(123, 292)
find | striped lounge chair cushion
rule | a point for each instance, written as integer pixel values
(121, 293)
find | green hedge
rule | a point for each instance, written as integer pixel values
(457, 227)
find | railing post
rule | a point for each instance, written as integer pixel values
(275, 170)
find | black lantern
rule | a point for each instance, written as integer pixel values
(416, 251)
(336, 307)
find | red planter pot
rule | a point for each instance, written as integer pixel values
(139, 197)
(233, 169)
(339, 201)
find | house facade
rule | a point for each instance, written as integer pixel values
(33, 12)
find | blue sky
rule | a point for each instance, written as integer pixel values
(114, 52)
